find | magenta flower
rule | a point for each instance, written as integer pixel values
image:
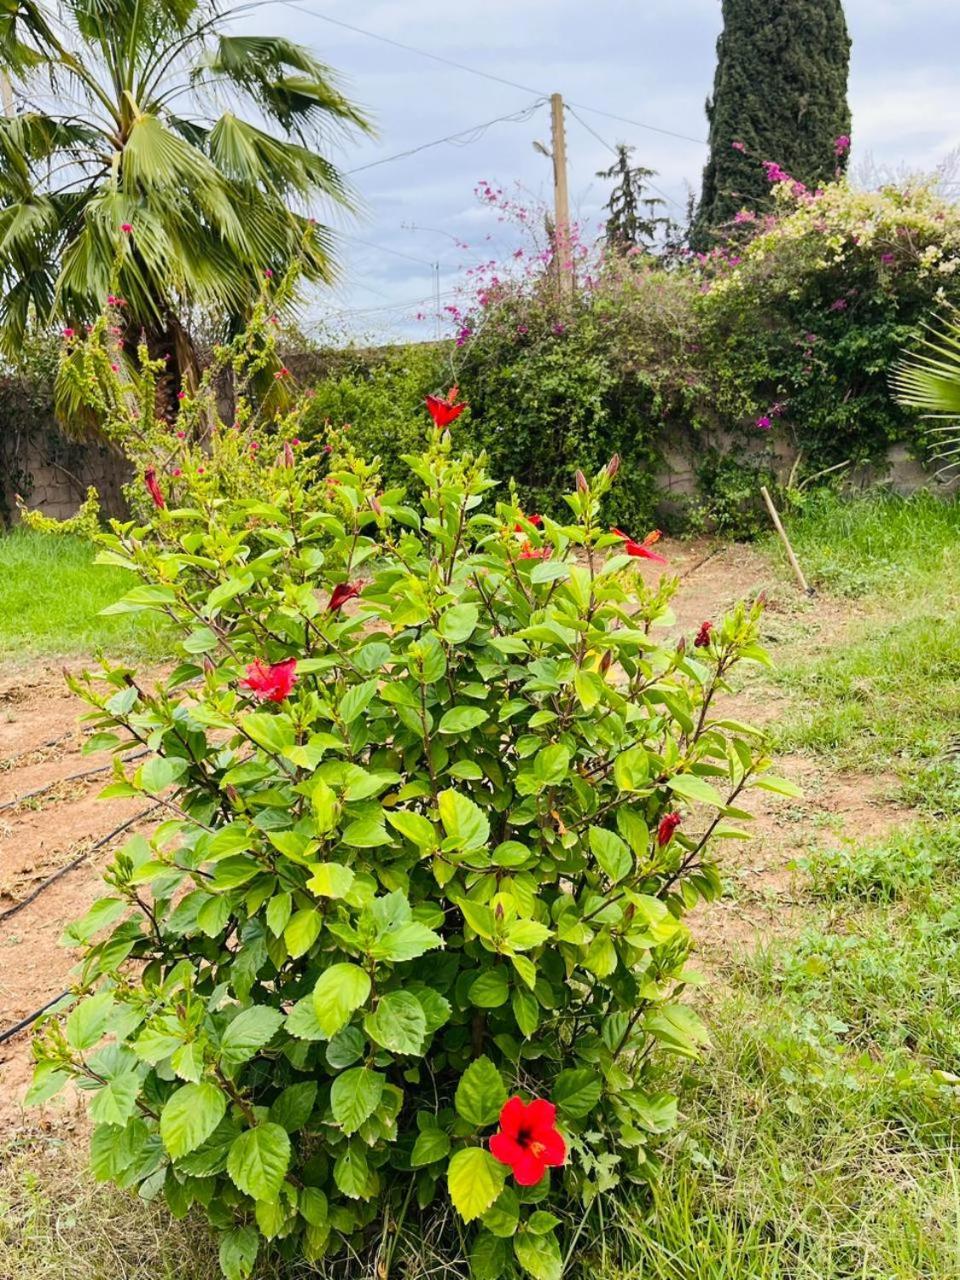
(841, 145)
(839, 305)
(764, 423)
(126, 228)
(739, 146)
(774, 173)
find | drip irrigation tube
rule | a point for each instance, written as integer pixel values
(71, 777)
(29, 1019)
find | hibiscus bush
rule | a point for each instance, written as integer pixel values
(396, 971)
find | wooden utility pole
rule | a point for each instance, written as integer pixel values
(561, 199)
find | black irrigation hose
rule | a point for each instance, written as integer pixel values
(702, 561)
(10, 761)
(75, 862)
(30, 1018)
(71, 777)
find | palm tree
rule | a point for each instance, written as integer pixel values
(929, 379)
(137, 114)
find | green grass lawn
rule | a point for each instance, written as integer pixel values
(885, 694)
(51, 594)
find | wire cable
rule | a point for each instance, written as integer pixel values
(465, 137)
(610, 147)
(486, 75)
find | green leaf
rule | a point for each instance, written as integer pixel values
(249, 1031)
(589, 688)
(190, 1116)
(398, 1023)
(238, 1252)
(431, 1145)
(302, 930)
(87, 1022)
(465, 823)
(116, 1102)
(551, 765)
(488, 1257)
(611, 853)
(779, 786)
(367, 832)
(474, 1180)
(577, 1091)
(355, 1096)
(459, 623)
(631, 769)
(161, 772)
(481, 1093)
(539, 1255)
(272, 731)
(294, 1106)
(693, 787)
(356, 700)
(417, 829)
(258, 1160)
(340, 990)
(405, 942)
(330, 879)
(462, 719)
(491, 989)
(351, 1173)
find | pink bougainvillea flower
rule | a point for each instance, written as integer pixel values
(153, 488)
(641, 549)
(341, 593)
(270, 683)
(703, 635)
(764, 423)
(126, 228)
(528, 1139)
(668, 825)
(444, 411)
(841, 145)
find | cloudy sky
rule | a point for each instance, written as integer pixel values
(650, 62)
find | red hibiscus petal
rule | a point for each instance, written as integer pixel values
(554, 1147)
(505, 1149)
(513, 1116)
(541, 1115)
(528, 1169)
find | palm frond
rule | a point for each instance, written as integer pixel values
(929, 380)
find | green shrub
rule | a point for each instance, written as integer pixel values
(419, 854)
(380, 401)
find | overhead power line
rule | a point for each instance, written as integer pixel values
(485, 75)
(610, 147)
(463, 138)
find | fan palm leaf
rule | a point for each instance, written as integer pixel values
(211, 146)
(929, 380)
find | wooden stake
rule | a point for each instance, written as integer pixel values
(794, 562)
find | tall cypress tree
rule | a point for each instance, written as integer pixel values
(780, 94)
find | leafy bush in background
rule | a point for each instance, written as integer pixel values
(418, 854)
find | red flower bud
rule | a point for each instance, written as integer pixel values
(153, 488)
(613, 466)
(668, 825)
(582, 486)
(703, 636)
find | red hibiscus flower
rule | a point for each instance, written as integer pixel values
(668, 825)
(641, 549)
(535, 520)
(341, 593)
(153, 488)
(528, 1139)
(703, 636)
(443, 412)
(270, 683)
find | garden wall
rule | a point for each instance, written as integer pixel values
(60, 485)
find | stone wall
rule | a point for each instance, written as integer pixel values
(60, 483)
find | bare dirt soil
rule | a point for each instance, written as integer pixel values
(49, 817)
